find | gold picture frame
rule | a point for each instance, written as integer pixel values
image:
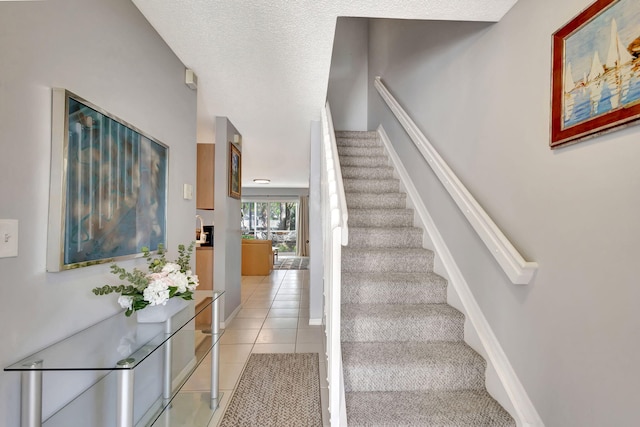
(235, 171)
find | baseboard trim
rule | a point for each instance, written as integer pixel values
(229, 319)
(184, 373)
(525, 413)
(315, 322)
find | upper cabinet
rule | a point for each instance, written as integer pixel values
(205, 172)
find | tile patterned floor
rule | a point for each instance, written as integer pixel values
(274, 319)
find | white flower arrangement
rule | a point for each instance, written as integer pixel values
(164, 280)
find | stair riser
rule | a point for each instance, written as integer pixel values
(399, 294)
(436, 376)
(402, 218)
(459, 408)
(367, 173)
(345, 150)
(364, 161)
(372, 186)
(385, 237)
(370, 328)
(379, 201)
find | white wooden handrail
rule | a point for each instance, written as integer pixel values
(340, 215)
(335, 234)
(519, 271)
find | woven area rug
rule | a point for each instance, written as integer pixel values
(292, 263)
(277, 390)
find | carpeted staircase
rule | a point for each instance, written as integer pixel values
(404, 358)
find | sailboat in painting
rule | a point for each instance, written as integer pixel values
(607, 84)
(617, 57)
(618, 54)
(569, 86)
(595, 84)
(596, 71)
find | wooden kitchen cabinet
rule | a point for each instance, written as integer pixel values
(204, 176)
(203, 318)
(204, 270)
(204, 267)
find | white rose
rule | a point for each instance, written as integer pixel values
(125, 301)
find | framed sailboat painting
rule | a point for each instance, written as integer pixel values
(596, 72)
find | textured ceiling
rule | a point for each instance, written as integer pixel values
(265, 65)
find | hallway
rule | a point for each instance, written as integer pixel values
(273, 319)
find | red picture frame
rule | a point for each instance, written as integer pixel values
(599, 93)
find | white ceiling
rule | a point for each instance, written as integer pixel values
(265, 65)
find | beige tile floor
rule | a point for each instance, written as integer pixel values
(274, 318)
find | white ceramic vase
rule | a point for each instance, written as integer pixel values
(160, 313)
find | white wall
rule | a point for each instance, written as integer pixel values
(227, 235)
(107, 53)
(481, 94)
(347, 92)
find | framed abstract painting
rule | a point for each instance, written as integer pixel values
(596, 72)
(108, 189)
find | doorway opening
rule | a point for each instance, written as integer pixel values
(272, 220)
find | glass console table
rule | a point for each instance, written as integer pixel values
(118, 345)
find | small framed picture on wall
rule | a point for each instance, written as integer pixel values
(235, 171)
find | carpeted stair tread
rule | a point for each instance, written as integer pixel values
(371, 186)
(393, 288)
(361, 161)
(357, 134)
(457, 408)
(370, 150)
(416, 366)
(376, 201)
(401, 323)
(380, 217)
(378, 172)
(385, 237)
(407, 260)
(358, 142)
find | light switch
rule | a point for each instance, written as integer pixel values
(8, 238)
(187, 191)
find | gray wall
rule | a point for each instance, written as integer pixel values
(106, 52)
(227, 234)
(481, 94)
(347, 91)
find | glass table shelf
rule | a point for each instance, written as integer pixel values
(117, 346)
(182, 405)
(103, 345)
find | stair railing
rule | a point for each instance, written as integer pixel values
(335, 235)
(519, 271)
